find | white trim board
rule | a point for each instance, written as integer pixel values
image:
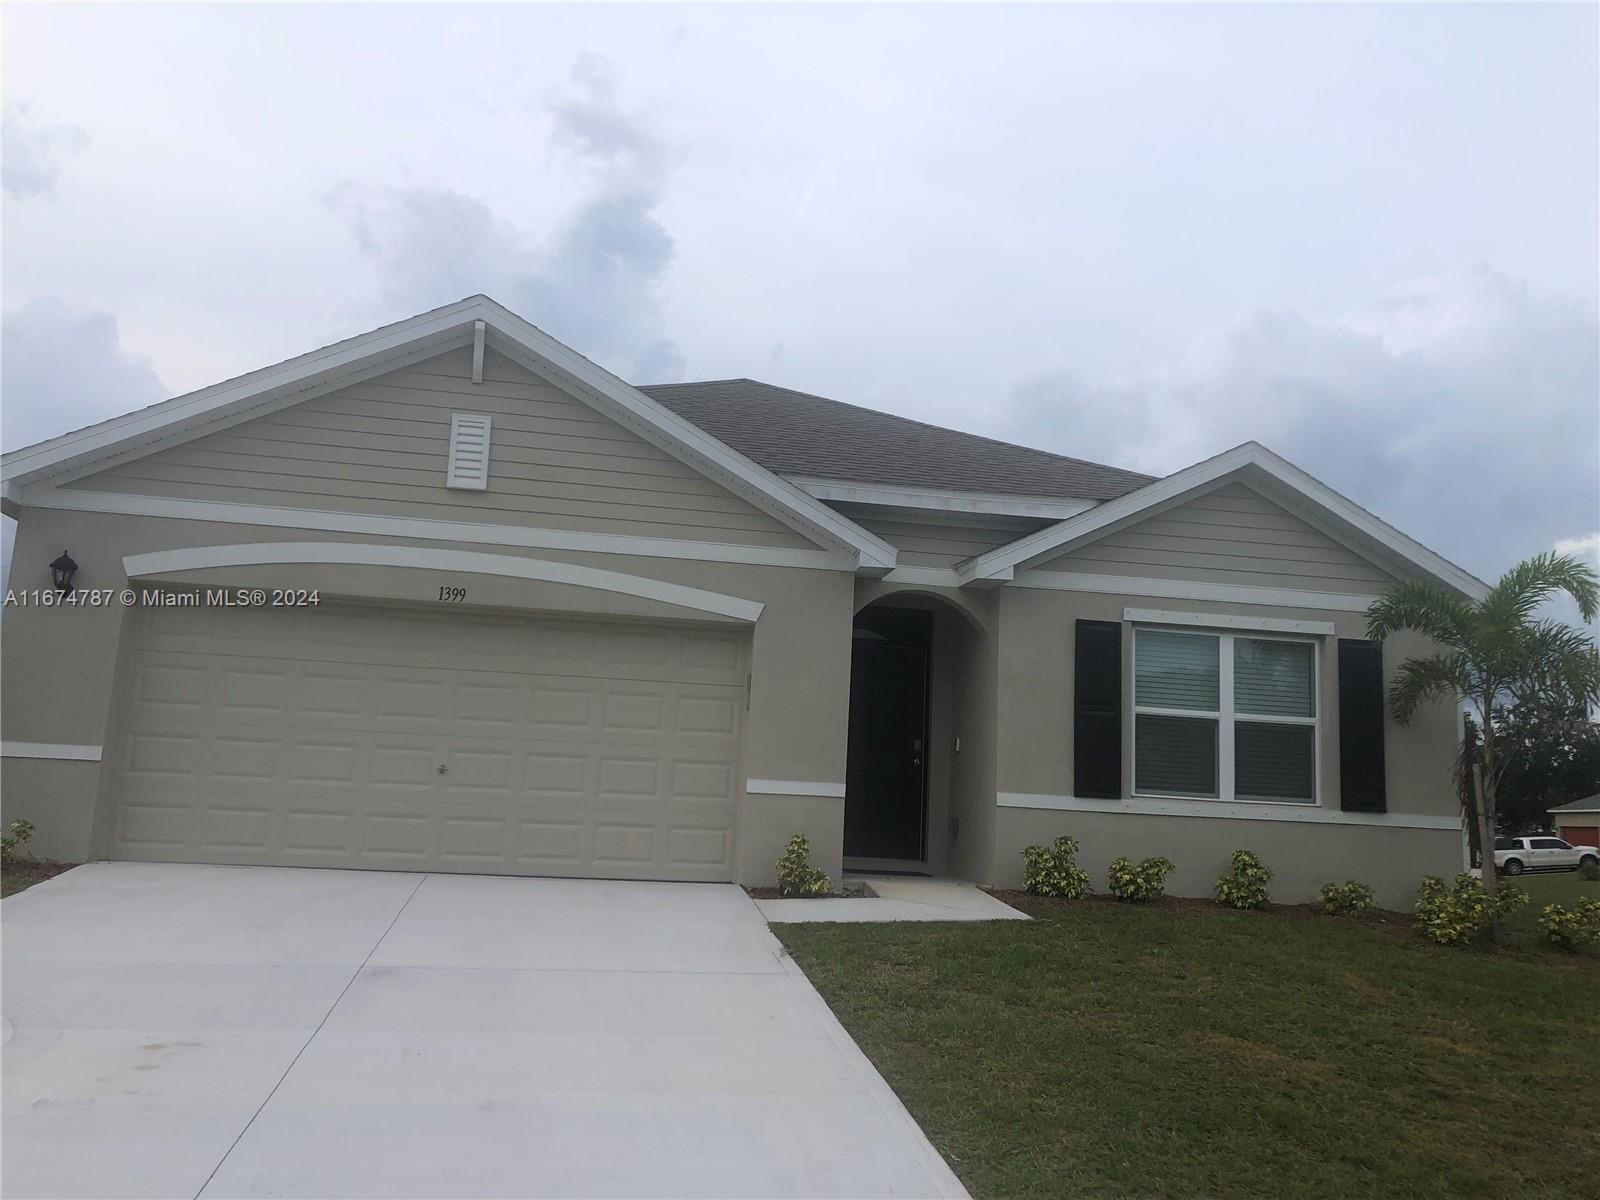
(940, 500)
(1182, 589)
(51, 750)
(426, 529)
(793, 787)
(192, 415)
(1156, 616)
(166, 562)
(1250, 462)
(1227, 810)
(925, 576)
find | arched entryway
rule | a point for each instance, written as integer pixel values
(916, 735)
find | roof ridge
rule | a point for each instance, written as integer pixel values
(778, 387)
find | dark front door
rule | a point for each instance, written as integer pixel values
(886, 777)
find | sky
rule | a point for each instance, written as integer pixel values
(1365, 236)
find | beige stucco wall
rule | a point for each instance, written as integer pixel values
(61, 664)
(1003, 682)
(1302, 856)
(1036, 758)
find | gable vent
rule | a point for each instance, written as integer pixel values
(469, 453)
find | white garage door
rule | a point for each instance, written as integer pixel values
(402, 739)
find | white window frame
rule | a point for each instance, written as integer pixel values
(1225, 716)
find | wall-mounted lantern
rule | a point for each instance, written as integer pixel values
(61, 573)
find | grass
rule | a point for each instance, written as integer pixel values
(1105, 1050)
(1560, 887)
(23, 874)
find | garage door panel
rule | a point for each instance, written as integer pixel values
(152, 823)
(378, 738)
(318, 832)
(251, 829)
(171, 685)
(699, 847)
(249, 759)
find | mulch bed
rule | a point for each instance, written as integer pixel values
(847, 892)
(20, 876)
(1198, 906)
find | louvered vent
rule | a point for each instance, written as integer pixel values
(469, 453)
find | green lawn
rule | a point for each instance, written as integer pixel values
(1107, 1050)
(1561, 887)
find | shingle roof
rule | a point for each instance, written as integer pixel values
(1588, 805)
(794, 433)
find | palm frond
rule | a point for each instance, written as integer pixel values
(1559, 665)
(1417, 680)
(1422, 605)
(1520, 591)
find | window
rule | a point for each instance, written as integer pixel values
(1549, 844)
(1224, 716)
(1507, 844)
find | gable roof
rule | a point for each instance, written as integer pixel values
(1251, 463)
(1590, 804)
(476, 320)
(796, 433)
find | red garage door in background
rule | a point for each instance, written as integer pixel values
(1579, 835)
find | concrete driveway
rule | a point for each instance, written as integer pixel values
(251, 1031)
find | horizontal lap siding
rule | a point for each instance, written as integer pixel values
(934, 543)
(1232, 536)
(380, 447)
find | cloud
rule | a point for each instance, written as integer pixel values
(1460, 408)
(64, 368)
(593, 282)
(1587, 547)
(30, 153)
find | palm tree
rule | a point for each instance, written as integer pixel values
(1493, 651)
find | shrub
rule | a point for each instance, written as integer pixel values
(796, 875)
(1571, 928)
(1053, 870)
(1138, 881)
(1589, 870)
(11, 844)
(1348, 899)
(1460, 913)
(1246, 883)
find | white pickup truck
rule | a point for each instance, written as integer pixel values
(1541, 852)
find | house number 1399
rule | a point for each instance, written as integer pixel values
(453, 594)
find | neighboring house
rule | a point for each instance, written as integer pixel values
(573, 627)
(1578, 822)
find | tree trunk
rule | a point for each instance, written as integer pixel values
(1467, 781)
(1490, 877)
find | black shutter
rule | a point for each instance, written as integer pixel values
(1361, 774)
(1097, 711)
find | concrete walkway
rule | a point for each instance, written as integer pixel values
(896, 898)
(244, 1031)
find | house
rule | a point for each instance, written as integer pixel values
(569, 626)
(1578, 823)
